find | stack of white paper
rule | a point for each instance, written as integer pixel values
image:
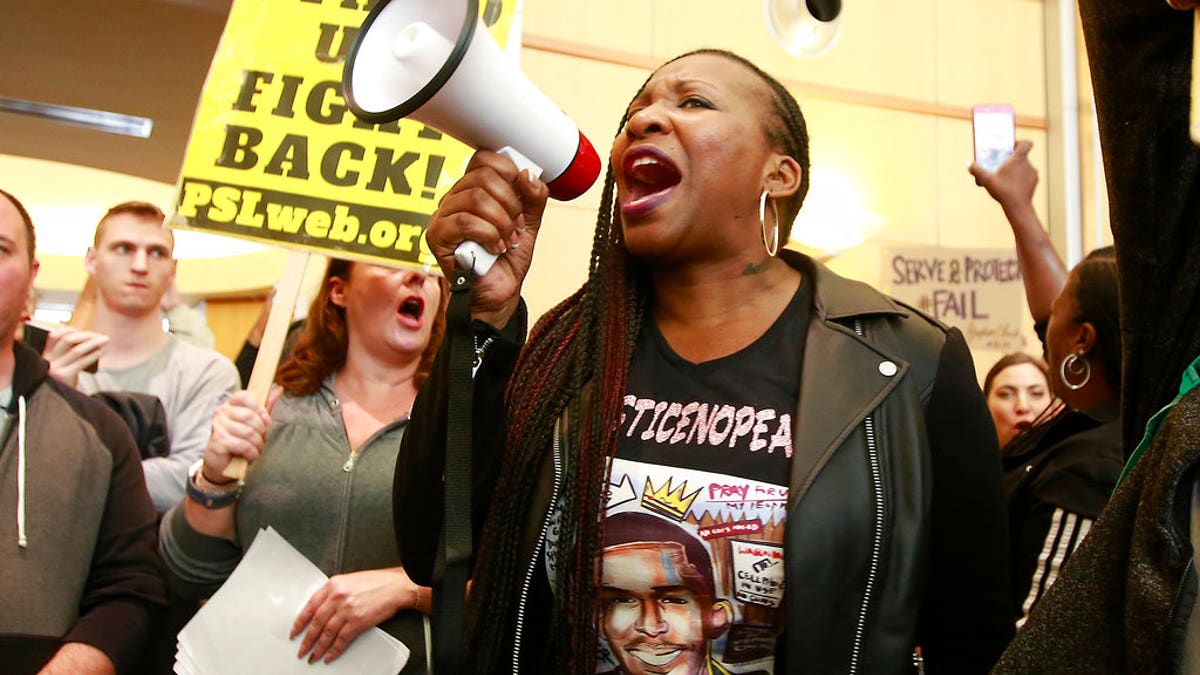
(244, 627)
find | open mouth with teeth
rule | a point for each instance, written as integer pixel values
(411, 311)
(649, 178)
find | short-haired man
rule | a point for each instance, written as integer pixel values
(81, 580)
(131, 261)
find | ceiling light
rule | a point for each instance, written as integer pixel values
(99, 120)
(833, 218)
(805, 28)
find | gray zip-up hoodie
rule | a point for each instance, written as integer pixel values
(333, 506)
(77, 529)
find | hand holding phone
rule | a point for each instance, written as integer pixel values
(71, 351)
(34, 336)
(995, 134)
(1013, 184)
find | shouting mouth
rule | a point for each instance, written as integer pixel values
(411, 311)
(650, 176)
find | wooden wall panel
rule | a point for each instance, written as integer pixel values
(888, 109)
(230, 320)
(991, 51)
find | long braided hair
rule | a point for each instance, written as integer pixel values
(575, 362)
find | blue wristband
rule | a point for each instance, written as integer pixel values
(214, 499)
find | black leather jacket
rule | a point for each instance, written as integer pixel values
(896, 531)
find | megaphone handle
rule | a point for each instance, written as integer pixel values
(473, 256)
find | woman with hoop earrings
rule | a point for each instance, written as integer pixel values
(865, 487)
(1060, 470)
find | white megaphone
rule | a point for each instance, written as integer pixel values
(433, 61)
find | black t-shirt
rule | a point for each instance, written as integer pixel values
(693, 561)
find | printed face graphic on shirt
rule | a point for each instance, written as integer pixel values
(658, 613)
(692, 571)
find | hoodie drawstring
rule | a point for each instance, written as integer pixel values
(21, 540)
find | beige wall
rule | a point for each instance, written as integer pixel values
(230, 320)
(888, 108)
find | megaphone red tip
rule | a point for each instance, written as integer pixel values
(579, 175)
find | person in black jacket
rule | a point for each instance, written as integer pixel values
(1060, 471)
(1126, 603)
(827, 446)
(82, 585)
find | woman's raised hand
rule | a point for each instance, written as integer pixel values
(500, 208)
(239, 430)
(1012, 184)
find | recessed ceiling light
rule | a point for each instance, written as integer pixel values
(806, 28)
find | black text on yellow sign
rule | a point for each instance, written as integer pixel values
(364, 231)
(276, 154)
(341, 163)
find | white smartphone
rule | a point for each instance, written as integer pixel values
(995, 134)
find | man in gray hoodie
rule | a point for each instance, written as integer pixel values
(81, 583)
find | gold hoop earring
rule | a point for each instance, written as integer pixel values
(773, 247)
(1075, 364)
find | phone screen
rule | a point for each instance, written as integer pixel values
(35, 337)
(995, 134)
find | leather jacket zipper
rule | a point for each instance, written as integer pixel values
(537, 551)
(1177, 641)
(1179, 592)
(877, 538)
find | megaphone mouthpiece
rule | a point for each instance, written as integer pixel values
(579, 175)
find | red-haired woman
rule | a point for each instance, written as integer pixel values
(322, 462)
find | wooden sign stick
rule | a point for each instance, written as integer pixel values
(1195, 118)
(271, 347)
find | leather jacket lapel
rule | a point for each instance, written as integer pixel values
(840, 384)
(840, 380)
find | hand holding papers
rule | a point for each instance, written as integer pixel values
(244, 627)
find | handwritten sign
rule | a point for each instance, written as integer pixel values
(739, 528)
(276, 156)
(757, 572)
(978, 290)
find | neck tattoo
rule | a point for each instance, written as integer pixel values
(755, 268)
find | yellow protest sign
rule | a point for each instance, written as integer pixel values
(276, 156)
